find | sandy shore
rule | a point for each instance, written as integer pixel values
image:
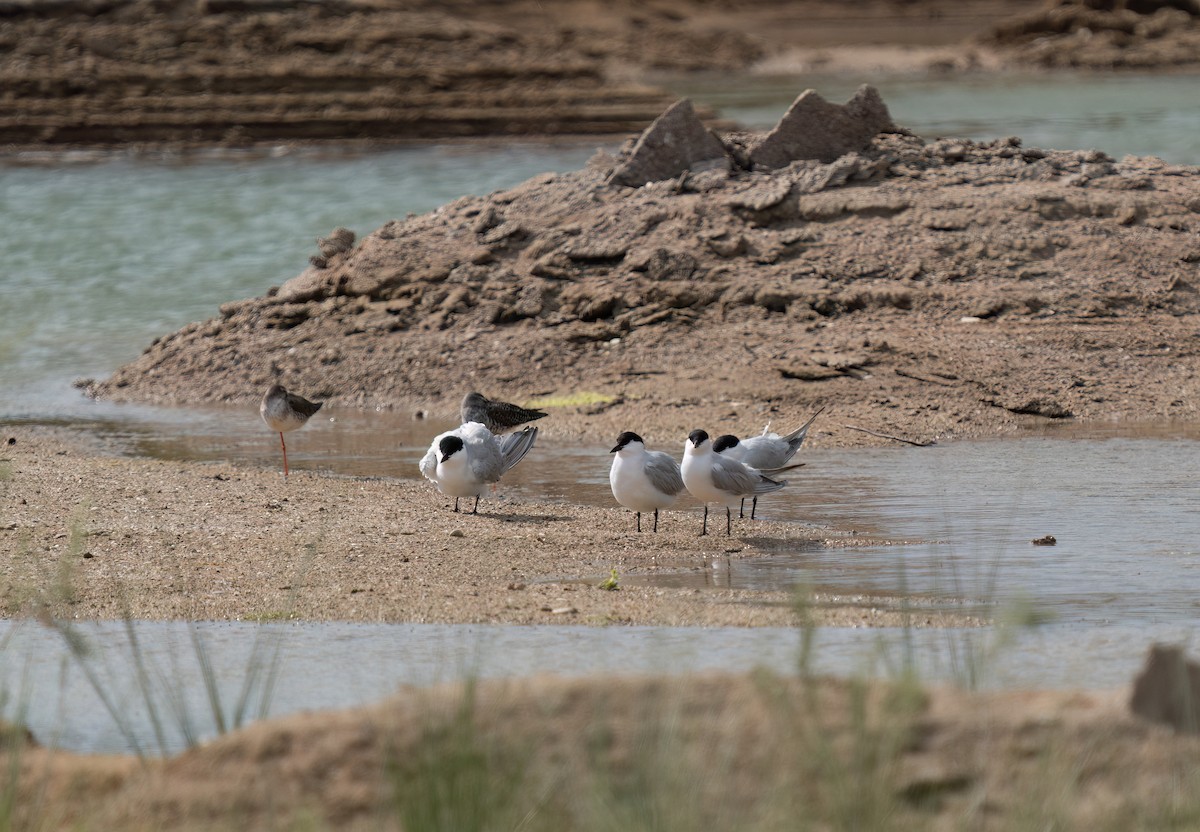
(90, 536)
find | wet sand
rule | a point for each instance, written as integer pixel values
(92, 536)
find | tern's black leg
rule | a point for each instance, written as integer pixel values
(476, 509)
(728, 522)
(704, 531)
(639, 516)
(742, 510)
(656, 521)
(753, 507)
(456, 504)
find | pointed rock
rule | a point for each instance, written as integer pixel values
(1168, 689)
(676, 141)
(812, 128)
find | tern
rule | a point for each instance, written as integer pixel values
(497, 417)
(284, 411)
(769, 452)
(463, 462)
(713, 478)
(643, 480)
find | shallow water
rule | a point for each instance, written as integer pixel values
(277, 669)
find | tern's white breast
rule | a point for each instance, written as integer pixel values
(454, 478)
(697, 476)
(630, 485)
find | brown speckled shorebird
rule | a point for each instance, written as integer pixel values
(284, 411)
(498, 417)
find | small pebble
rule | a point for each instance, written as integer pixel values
(457, 533)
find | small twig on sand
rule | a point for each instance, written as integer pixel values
(893, 438)
(926, 379)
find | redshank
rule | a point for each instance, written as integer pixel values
(497, 417)
(284, 411)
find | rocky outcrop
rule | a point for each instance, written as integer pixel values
(675, 142)
(813, 128)
(1168, 689)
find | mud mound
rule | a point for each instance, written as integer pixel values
(1103, 34)
(946, 284)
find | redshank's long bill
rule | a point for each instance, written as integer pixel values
(284, 411)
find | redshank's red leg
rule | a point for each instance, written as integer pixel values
(283, 445)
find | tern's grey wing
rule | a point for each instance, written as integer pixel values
(486, 462)
(766, 485)
(733, 477)
(663, 472)
(514, 447)
(770, 451)
(736, 478)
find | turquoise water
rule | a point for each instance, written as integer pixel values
(101, 258)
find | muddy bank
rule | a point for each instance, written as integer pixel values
(1102, 34)
(708, 752)
(929, 289)
(148, 73)
(138, 73)
(142, 73)
(135, 72)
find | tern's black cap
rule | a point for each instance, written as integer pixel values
(724, 443)
(697, 436)
(449, 446)
(625, 438)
